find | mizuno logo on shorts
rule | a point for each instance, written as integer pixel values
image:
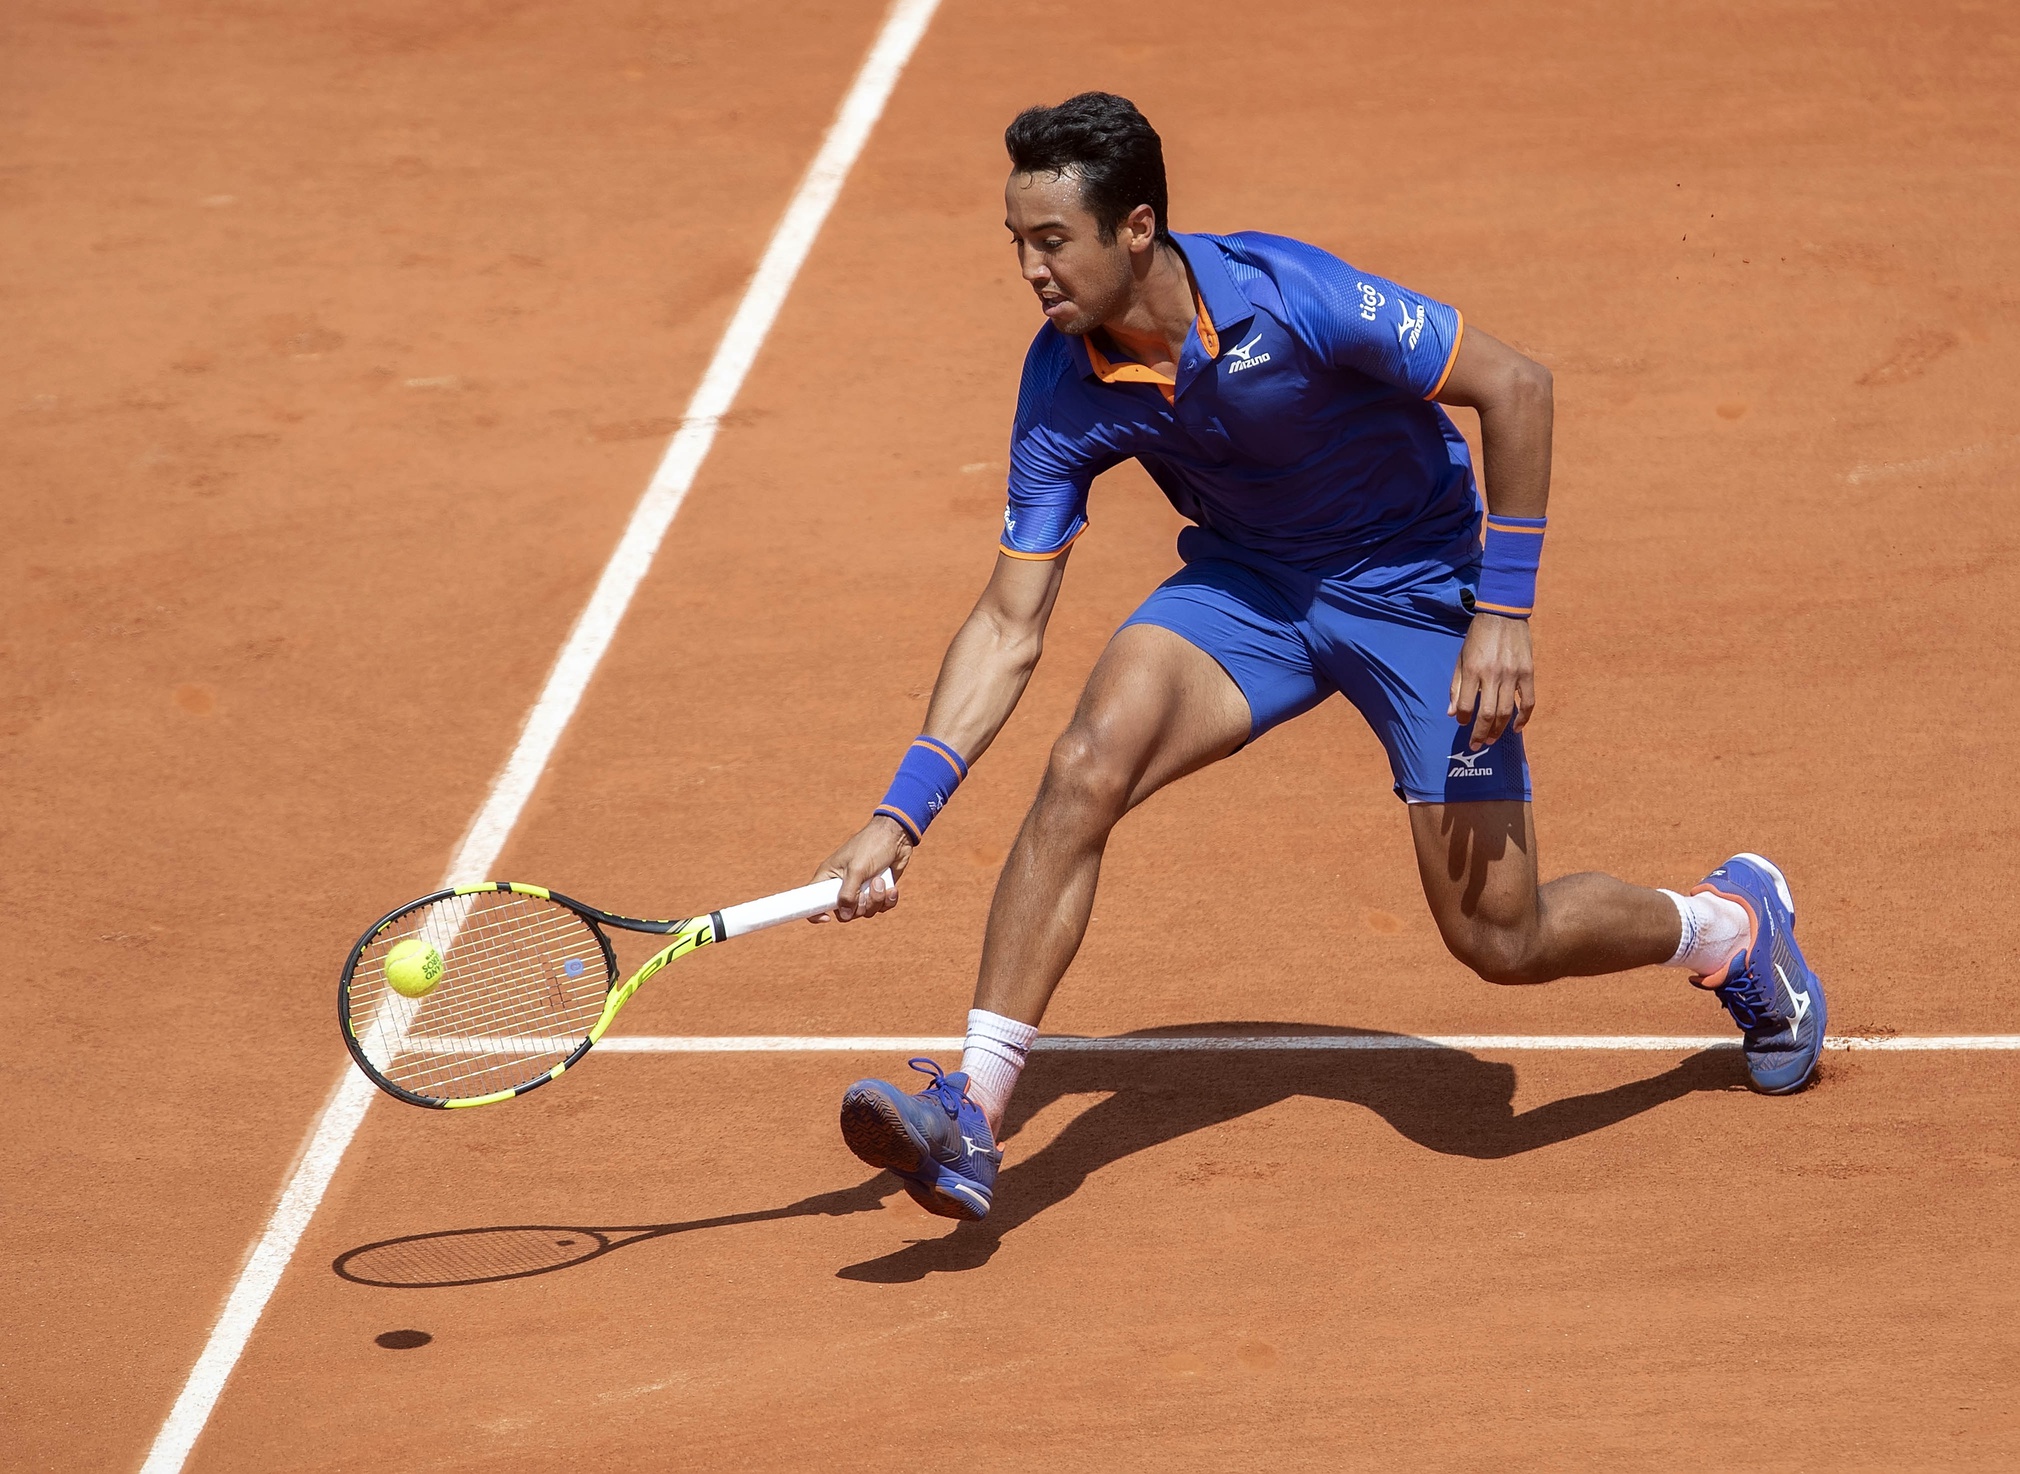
(1468, 765)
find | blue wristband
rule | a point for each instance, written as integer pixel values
(1508, 566)
(924, 782)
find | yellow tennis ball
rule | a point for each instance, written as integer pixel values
(413, 967)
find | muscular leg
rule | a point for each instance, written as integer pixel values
(1478, 865)
(1155, 708)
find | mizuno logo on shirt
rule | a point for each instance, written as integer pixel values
(1246, 357)
(1410, 328)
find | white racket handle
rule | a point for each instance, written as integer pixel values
(808, 900)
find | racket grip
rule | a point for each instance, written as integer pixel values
(796, 905)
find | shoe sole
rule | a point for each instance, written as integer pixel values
(873, 1130)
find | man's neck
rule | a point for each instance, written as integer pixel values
(1152, 328)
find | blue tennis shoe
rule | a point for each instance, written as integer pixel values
(1768, 987)
(938, 1142)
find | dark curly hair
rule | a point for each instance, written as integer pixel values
(1106, 144)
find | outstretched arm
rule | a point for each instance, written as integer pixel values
(981, 679)
(1495, 679)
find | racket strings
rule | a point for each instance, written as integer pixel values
(524, 980)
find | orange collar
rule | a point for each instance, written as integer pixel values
(1129, 371)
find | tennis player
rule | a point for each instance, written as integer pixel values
(1288, 405)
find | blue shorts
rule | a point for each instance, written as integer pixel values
(1386, 638)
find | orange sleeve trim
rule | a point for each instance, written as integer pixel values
(1504, 527)
(1452, 362)
(1502, 608)
(1010, 552)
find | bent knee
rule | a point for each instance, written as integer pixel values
(1085, 777)
(1506, 956)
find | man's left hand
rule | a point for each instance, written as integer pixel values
(1495, 680)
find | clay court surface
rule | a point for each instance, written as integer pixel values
(341, 341)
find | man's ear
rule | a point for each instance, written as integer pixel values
(1141, 225)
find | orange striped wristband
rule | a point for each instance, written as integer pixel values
(1508, 564)
(925, 780)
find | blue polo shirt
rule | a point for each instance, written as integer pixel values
(1299, 425)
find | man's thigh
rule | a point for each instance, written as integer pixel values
(1251, 628)
(1478, 864)
(1156, 707)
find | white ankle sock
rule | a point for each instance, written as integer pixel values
(1714, 929)
(993, 1057)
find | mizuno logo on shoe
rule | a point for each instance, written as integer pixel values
(975, 1149)
(1800, 1002)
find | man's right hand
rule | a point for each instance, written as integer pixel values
(878, 846)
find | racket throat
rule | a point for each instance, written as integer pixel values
(703, 931)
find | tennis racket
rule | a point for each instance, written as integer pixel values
(528, 984)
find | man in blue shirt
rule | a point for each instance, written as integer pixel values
(1289, 407)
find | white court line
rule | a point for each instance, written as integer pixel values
(1189, 1043)
(338, 1124)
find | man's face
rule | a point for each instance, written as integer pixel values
(1081, 280)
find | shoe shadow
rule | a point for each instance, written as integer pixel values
(1445, 1100)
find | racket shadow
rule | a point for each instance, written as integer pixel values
(456, 1257)
(1445, 1100)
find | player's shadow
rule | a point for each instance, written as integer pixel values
(1446, 1100)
